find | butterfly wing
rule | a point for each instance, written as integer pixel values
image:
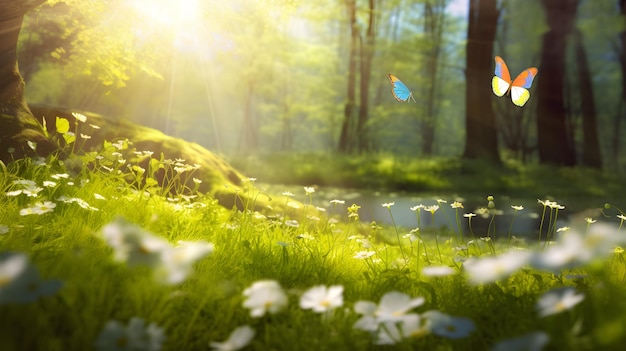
(520, 86)
(501, 81)
(400, 91)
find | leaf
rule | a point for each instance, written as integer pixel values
(45, 127)
(69, 138)
(150, 182)
(63, 125)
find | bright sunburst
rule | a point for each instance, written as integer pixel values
(170, 13)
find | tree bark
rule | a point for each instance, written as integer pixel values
(367, 51)
(621, 112)
(345, 136)
(555, 147)
(18, 123)
(481, 140)
(434, 18)
(592, 156)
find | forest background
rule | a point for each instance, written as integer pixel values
(265, 77)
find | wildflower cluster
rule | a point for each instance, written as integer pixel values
(134, 246)
(320, 259)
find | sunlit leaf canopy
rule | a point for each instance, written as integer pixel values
(114, 39)
(239, 48)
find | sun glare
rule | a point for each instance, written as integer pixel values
(174, 14)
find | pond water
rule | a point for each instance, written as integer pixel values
(521, 223)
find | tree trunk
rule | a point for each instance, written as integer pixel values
(18, 123)
(434, 17)
(481, 131)
(592, 157)
(621, 112)
(555, 147)
(367, 51)
(345, 136)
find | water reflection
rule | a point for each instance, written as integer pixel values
(522, 223)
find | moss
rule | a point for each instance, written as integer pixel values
(218, 177)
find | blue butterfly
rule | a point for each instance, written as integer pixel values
(400, 91)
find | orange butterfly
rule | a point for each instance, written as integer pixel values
(502, 84)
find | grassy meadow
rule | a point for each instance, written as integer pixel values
(102, 258)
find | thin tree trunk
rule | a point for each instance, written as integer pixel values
(481, 131)
(555, 147)
(345, 136)
(621, 111)
(18, 123)
(434, 18)
(367, 51)
(592, 157)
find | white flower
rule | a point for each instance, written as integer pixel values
(20, 281)
(364, 254)
(31, 190)
(26, 211)
(321, 298)
(80, 202)
(60, 176)
(24, 182)
(437, 271)
(392, 332)
(39, 208)
(490, 269)
(456, 204)
(309, 190)
(135, 337)
(574, 249)
(133, 245)
(447, 326)
(238, 339)
(79, 117)
(432, 209)
(13, 193)
(393, 307)
(417, 207)
(292, 223)
(177, 262)
(44, 207)
(388, 204)
(558, 300)
(264, 296)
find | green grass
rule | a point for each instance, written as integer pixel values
(67, 244)
(386, 172)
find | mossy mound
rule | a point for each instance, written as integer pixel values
(218, 177)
